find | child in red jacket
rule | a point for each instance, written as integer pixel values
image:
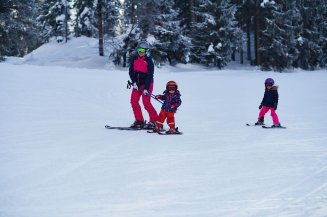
(172, 101)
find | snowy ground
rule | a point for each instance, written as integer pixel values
(58, 160)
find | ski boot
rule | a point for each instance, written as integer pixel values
(151, 125)
(276, 125)
(171, 131)
(260, 121)
(137, 124)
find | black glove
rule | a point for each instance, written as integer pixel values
(275, 106)
(129, 84)
(260, 106)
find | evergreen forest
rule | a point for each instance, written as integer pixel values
(272, 34)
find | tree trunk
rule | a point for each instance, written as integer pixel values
(248, 36)
(233, 55)
(124, 59)
(100, 26)
(241, 54)
(66, 21)
(257, 35)
(133, 14)
(191, 11)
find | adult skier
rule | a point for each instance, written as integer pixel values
(141, 73)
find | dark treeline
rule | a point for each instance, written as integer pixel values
(272, 34)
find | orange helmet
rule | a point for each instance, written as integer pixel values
(171, 84)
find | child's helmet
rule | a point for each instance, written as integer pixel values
(270, 81)
(171, 84)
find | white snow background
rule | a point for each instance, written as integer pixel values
(58, 160)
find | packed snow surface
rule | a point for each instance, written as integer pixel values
(58, 160)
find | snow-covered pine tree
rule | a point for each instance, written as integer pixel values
(245, 14)
(18, 31)
(146, 13)
(139, 24)
(53, 19)
(112, 19)
(129, 11)
(312, 40)
(5, 24)
(216, 34)
(157, 23)
(229, 31)
(169, 43)
(282, 26)
(125, 44)
(322, 11)
(85, 21)
(186, 15)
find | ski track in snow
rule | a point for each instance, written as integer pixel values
(57, 159)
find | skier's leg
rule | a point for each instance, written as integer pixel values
(135, 98)
(161, 119)
(171, 120)
(262, 113)
(274, 116)
(153, 115)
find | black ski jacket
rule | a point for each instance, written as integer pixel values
(270, 98)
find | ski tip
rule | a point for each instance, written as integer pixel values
(177, 133)
(164, 132)
(266, 127)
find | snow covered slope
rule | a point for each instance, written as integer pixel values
(77, 53)
(58, 160)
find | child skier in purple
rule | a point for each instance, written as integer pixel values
(269, 102)
(172, 101)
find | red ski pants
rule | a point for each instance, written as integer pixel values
(264, 110)
(170, 119)
(135, 98)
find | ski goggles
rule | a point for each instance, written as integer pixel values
(169, 88)
(141, 50)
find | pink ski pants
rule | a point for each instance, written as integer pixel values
(264, 110)
(135, 98)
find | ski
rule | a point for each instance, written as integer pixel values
(165, 132)
(123, 128)
(177, 133)
(253, 125)
(153, 131)
(272, 127)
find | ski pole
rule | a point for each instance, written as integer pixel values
(154, 97)
(129, 85)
